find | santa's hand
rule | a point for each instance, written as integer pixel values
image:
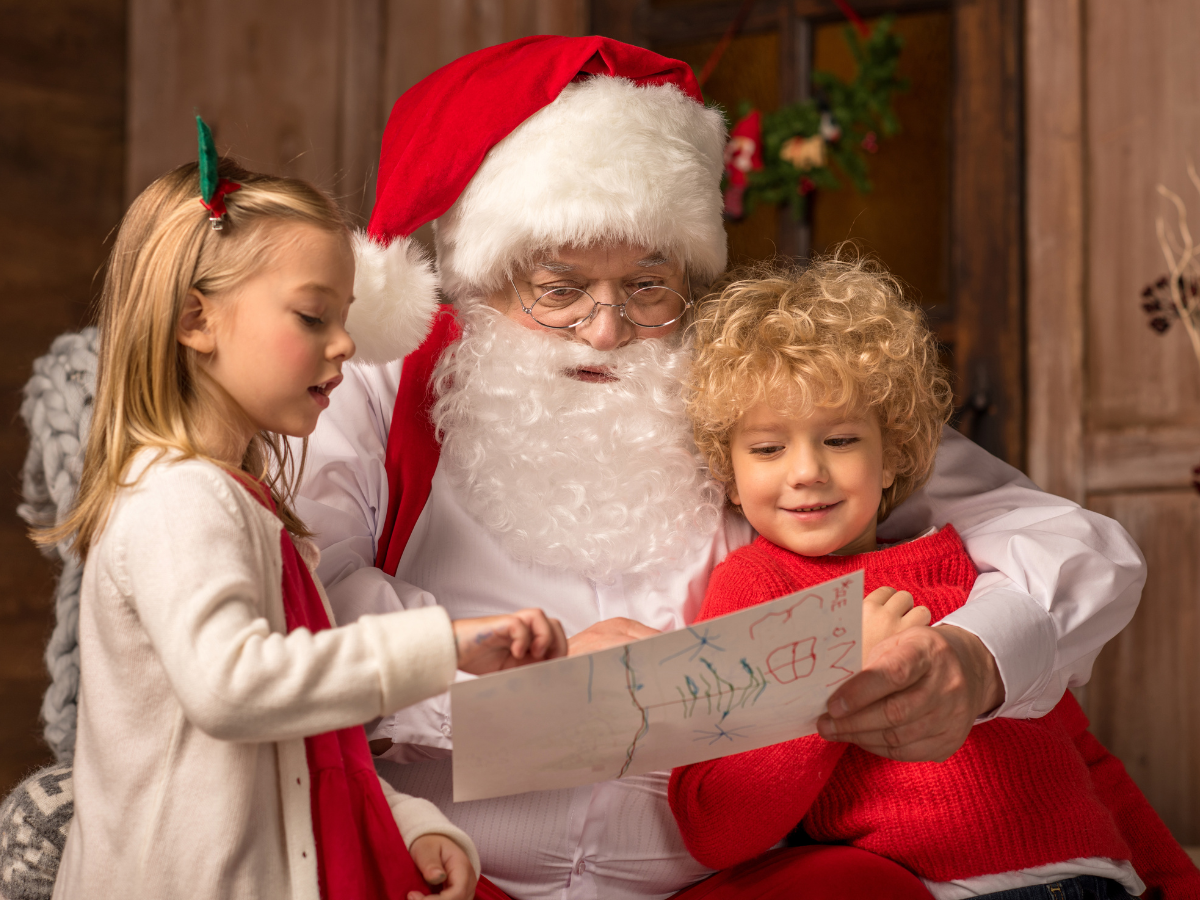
(918, 696)
(491, 643)
(886, 612)
(609, 633)
(441, 861)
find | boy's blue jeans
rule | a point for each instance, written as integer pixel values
(1085, 887)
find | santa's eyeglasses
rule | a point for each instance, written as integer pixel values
(653, 306)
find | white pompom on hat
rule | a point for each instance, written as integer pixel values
(536, 144)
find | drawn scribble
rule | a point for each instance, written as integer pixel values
(702, 641)
(839, 631)
(840, 595)
(632, 684)
(786, 613)
(849, 645)
(717, 734)
(793, 661)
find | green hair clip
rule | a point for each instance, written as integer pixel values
(213, 188)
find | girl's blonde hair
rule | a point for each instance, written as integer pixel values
(148, 392)
(836, 333)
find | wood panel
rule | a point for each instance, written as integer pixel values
(1142, 458)
(1142, 696)
(1055, 259)
(905, 219)
(301, 87)
(62, 93)
(986, 210)
(1143, 99)
(1113, 110)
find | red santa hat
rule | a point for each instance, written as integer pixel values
(528, 146)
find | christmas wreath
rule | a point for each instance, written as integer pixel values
(783, 156)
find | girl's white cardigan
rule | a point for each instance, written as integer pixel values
(190, 771)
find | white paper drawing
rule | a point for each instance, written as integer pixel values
(746, 680)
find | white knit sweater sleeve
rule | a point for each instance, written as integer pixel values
(417, 817)
(199, 563)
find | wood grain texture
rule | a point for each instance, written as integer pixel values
(62, 102)
(1143, 100)
(986, 210)
(1142, 697)
(1055, 246)
(1142, 458)
(265, 75)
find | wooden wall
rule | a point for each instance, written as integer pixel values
(62, 98)
(1113, 110)
(301, 87)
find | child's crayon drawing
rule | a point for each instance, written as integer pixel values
(746, 680)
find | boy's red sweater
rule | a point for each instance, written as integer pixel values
(1018, 794)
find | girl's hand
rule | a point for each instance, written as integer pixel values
(441, 861)
(886, 612)
(492, 643)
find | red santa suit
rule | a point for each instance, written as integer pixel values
(551, 142)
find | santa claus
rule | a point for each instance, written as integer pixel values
(532, 450)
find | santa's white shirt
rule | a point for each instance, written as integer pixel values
(1056, 582)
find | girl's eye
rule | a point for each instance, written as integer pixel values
(309, 320)
(766, 450)
(840, 441)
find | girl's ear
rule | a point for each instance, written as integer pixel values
(195, 323)
(732, 492)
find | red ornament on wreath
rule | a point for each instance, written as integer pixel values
(743, 155)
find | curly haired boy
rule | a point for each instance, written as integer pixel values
(818, 401)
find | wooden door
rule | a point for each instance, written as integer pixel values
(1114, 408)
(946, 210)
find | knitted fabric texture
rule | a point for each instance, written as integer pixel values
(1015, 796)
(57, 410)
(33, 831)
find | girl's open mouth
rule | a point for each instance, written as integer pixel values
(320, 392)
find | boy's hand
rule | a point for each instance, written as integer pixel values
(492, 643)
(886, 612)
(441, 861)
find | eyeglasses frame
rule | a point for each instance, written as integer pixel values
(596, 304)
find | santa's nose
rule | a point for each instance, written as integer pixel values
(607, 329)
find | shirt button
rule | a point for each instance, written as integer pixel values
(580, 867)
(446, 729)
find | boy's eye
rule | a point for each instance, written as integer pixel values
(840, 441)
(309, 320)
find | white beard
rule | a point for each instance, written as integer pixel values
(598, 479)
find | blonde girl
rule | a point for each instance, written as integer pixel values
(218, 754)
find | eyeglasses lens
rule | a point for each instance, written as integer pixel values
(650, 307)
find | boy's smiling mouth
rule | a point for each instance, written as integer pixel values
(812, 508)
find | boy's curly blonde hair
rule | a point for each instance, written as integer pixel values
(838, 332)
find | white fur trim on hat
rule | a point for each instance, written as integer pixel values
(395, 298)
(606, 161)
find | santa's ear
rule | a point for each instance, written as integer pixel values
(395, 298)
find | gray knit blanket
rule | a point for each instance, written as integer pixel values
(57, 410)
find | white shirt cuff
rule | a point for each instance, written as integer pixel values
(1020, 635)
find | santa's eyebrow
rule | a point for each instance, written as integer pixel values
(556, 267)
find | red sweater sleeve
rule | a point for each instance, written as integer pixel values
(733, 809)
(1158, 859)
